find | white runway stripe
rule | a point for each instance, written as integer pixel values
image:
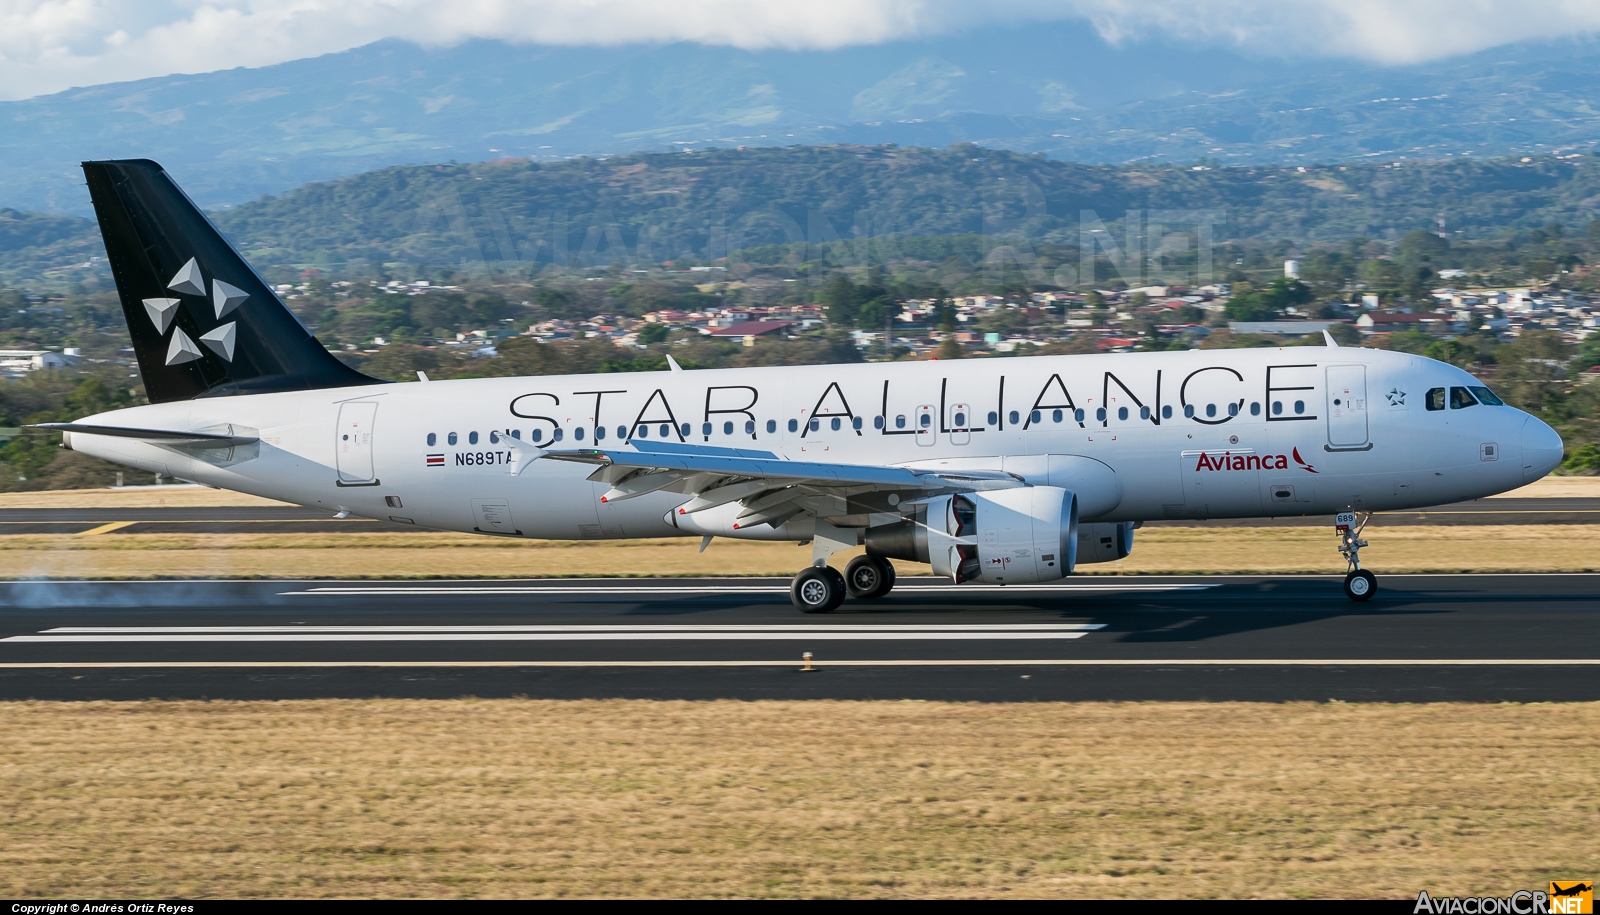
(790, 663)
(643, 627)
(560, 637)
(739, 589)
(639, 633)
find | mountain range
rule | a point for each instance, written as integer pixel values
(234, 135)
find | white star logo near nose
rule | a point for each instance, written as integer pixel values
(1397, 397)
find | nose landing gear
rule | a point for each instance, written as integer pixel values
(1359, 584)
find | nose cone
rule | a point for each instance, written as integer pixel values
(1541, 449)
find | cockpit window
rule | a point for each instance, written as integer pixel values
(1434, 400)
(1461, 398)
(1486, 396)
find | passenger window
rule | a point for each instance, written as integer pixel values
(1077, 415)
(622, 432)
(472, 438)
(1033, 417)
(794, 425)
(578, 433)
(1486, 396)
(599, 433)
(1434, 399)
(993, 417)
(684, 429)
(877, 422)
(1233, 409)
(900, 421)
(772, 426)
(1188, 411)
(1255, 409)
(815, 424)
(1055, 416)
(705, 428)
(538, 435)
(961, 420)
(834, 424)
(1099, 415)
(558, 433)
(855, 423)
(494, 437)
(1211, 410)
(749, 427)
(1299, 407)
(433, 439)
(727, 428)
(644, 432)
(1122, 413)
(1014, 417)
(451, 438)
(1144, 412)
(925, 420)
(1461, 398)
(1277, 408)
(1166, 412)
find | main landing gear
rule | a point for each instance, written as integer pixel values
(821, 589)
(1359, 584)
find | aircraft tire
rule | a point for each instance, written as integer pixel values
(868, 577)
(1360, 585)
(817, 590)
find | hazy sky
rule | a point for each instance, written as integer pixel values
(50, 45)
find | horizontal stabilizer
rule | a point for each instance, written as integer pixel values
(158, 436)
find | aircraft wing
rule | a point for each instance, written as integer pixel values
(770, 488)
(155, 436)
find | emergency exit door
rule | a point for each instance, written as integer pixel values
(1347, 407)
(353, 444)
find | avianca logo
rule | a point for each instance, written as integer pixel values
(1230, 461)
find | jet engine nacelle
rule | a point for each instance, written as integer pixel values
(1006, 536)
(1104, 542)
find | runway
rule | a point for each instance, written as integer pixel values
(294, 519)
(1424, 638)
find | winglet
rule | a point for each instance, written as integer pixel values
(1329, 337)
(673, 363)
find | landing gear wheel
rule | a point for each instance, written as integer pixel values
(817, 590)
(868, 577)
(1360, 585)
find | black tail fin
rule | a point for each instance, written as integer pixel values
(202, 321)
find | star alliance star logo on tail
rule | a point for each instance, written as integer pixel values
(225, 298)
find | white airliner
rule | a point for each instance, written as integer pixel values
(999, 471)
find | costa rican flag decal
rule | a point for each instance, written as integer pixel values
(435, 460)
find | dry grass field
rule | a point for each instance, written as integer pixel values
(502, 798)
(1171, 550)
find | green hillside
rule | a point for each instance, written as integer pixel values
(704, 206)
(521, 217)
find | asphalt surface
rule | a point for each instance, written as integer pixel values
(292, 519)
(1423, 638)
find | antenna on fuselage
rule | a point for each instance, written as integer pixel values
(1325, 335)
(673, 364)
